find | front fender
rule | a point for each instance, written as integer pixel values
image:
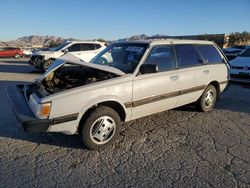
(106, 98)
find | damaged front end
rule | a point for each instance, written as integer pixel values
(70, 76)
(69, 72)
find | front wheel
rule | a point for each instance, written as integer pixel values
(46, 65)
(208, 99)
(100, 128)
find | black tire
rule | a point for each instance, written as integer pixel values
(92, 126)
(17, 56)
(46, 65)
(205, 105)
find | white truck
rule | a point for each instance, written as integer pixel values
(137, 79)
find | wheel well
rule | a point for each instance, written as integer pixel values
(217, 87)
(112, 104)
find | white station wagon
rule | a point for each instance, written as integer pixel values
(124, 82)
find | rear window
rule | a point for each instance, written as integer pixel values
(246, 53)
(209, 53)
(97, 46)
(187, 56)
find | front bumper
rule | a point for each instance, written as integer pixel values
(23, 113)
(240, 76)
(37, 61)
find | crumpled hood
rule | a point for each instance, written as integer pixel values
(68, 58)
(240, 61)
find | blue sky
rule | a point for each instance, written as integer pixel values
(114, 19)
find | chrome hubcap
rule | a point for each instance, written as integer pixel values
(209, 98)
(103, 130)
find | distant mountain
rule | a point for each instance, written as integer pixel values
(34, 40)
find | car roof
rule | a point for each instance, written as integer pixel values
(167, 41)
(86, 41)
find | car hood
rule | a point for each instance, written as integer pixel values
(72, 59)
(240, 61)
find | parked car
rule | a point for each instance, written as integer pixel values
(27, 52)
(234, 51)
(92, 99)
(11, 52)
(240, 67)
(85, 50)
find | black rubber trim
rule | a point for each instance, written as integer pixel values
(163, 96)
(64, 119)
(26, 117)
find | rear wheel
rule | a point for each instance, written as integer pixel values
(101, 128)
(46, 65)
(208, 99)
(17, 56)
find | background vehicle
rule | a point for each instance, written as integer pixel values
(240, 67)
(11, 52)
(234, 51)
(84, 50)
(141, 78)
(27, 52)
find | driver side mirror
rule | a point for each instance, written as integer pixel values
(149, 68)
(65, 50)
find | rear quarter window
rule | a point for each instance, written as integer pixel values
(209, 53)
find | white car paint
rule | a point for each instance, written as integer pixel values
(240, 68)
(127, 88)
(85, 55)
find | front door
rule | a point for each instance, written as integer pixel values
(156, 92)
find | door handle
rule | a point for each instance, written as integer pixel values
(173, 78)
(206, 71)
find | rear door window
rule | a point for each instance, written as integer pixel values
(187, 56)
(209, 53)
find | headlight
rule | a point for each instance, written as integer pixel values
(43, 110)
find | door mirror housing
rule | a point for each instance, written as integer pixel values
(149, 68)
(65, 50)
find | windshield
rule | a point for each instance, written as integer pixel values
(123, 56)
(246, 53)
(59, 47)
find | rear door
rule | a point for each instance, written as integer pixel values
(192, 73)
(214, 64)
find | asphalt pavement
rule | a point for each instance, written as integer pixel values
(176, 148)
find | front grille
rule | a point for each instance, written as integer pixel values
(247, 77)
(235, 67)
